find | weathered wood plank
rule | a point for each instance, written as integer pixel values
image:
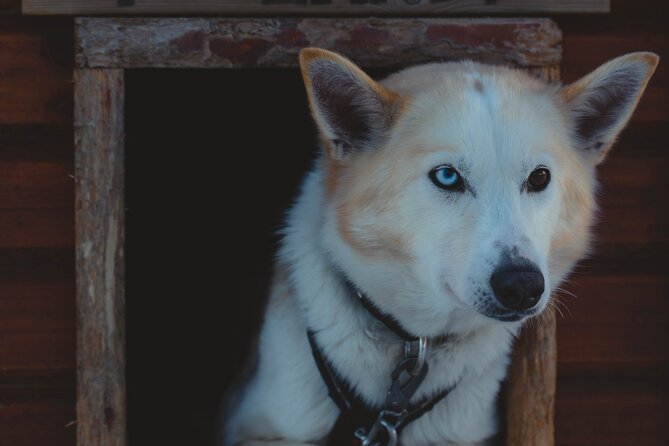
(371, 42)
(99, 139)
(348, 7)
(530, 386)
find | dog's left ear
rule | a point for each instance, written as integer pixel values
(351, 110)
(601, 103)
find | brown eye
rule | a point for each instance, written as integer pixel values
(538, 179)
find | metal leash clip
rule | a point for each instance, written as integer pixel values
(406, 378)
(387, 420)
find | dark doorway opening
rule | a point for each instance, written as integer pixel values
(213, 159)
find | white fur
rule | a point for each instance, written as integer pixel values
(496, 125)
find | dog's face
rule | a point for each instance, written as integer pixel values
(462, 194)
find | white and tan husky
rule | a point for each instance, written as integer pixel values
(455, 197)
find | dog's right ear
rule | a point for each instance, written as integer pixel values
(351, 110)
(601, 103)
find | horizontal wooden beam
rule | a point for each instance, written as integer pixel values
(332, 7)
(371, 42)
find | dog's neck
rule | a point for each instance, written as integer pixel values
(384, 323)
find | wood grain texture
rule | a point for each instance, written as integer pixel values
(617, 324)
(530, 385)
(25, 142)
(35, 69)
(37, 420)
(36, 185)
(613, 411)
(36, 310)
(238, 43)
(331, 7)
(36, 228)
(99, 135)
(37, 338)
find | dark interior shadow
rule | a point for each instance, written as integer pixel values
(213, 159)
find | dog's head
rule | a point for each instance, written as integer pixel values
(461, 193)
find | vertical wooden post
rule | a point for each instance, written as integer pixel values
(99, 145)
(530, 390)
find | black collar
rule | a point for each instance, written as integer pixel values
(387, 319)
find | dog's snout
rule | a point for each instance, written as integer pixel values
(517, 287)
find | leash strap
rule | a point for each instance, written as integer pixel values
(341, 394)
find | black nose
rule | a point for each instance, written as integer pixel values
(517, 287)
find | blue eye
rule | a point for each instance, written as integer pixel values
(446, 177)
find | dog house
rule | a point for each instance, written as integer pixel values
(117, 63)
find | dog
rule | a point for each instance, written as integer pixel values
(447, 203)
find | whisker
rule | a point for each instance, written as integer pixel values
(563, 292)
(563, 305)
(553, 306)
(570, 282)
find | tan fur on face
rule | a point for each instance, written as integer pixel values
(571, 239)
(372, 183)
(363, 190)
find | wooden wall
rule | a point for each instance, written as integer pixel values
(613, 343)
(36, 231)
(613, 386)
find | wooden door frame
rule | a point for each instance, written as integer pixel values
(106, 47)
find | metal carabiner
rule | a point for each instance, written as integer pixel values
(387, 420)
(366, 439)
(420, 355)
(392, 433)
